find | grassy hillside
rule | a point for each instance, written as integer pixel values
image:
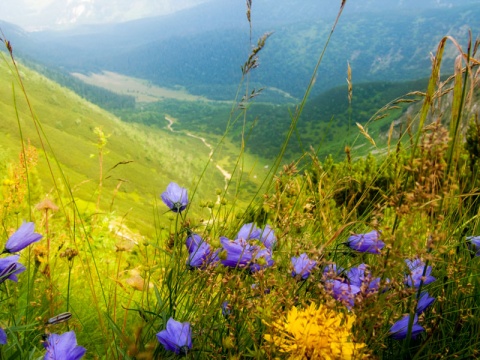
(138, 161)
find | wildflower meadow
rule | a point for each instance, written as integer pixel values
(374, 257)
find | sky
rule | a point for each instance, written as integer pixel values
(40, 14)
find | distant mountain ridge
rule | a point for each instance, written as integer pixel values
(202, 48)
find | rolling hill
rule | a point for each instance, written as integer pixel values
(138, 161)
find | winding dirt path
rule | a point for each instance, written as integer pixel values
(226, 175)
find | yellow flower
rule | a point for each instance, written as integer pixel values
(315, 334)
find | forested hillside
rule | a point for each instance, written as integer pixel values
(327, 124)
(203, 48)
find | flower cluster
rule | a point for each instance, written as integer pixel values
(358, 281)
(315, 333)
(252, 248)
(399, 330)
(58, 347)
(419, 273)
(19, 240)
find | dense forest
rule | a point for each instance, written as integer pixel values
(204, 55)
(324, 118)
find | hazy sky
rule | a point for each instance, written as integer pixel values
(37, 14)
(41, 14)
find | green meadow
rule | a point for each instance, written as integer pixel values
(134, 165)
(311, 230)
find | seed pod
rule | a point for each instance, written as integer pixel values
(59, 318)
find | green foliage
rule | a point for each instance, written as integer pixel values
(325, 119)
(380, 45)
(121, 288)
(140, 160)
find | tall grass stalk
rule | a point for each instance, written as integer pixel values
(44, 140)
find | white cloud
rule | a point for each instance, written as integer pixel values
(35, 14)
(35, 4)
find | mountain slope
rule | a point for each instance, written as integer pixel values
(203, 48)
(140, 160)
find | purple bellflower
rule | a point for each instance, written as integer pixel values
(474, 244)
(302, 266)
(268, 237)
(239, 252)
(3, 337)
(399, 330)
(415, 276)
(200, 252)
(175, 197)
(331, 271)
(23, 237)
(262, 258)
(193, 242)
(342, 292)
(177, 337)
(356, 275)
(226, 309)
(360, 276)
(10, 268)
(249, 231)
(424, 302)
(252, 247)
(200, 256)
(369, 242)
(63, 347)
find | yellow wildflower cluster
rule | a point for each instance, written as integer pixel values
(315, 334)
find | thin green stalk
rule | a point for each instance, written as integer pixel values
(298, 111)
(44, 142)
(457, 120)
